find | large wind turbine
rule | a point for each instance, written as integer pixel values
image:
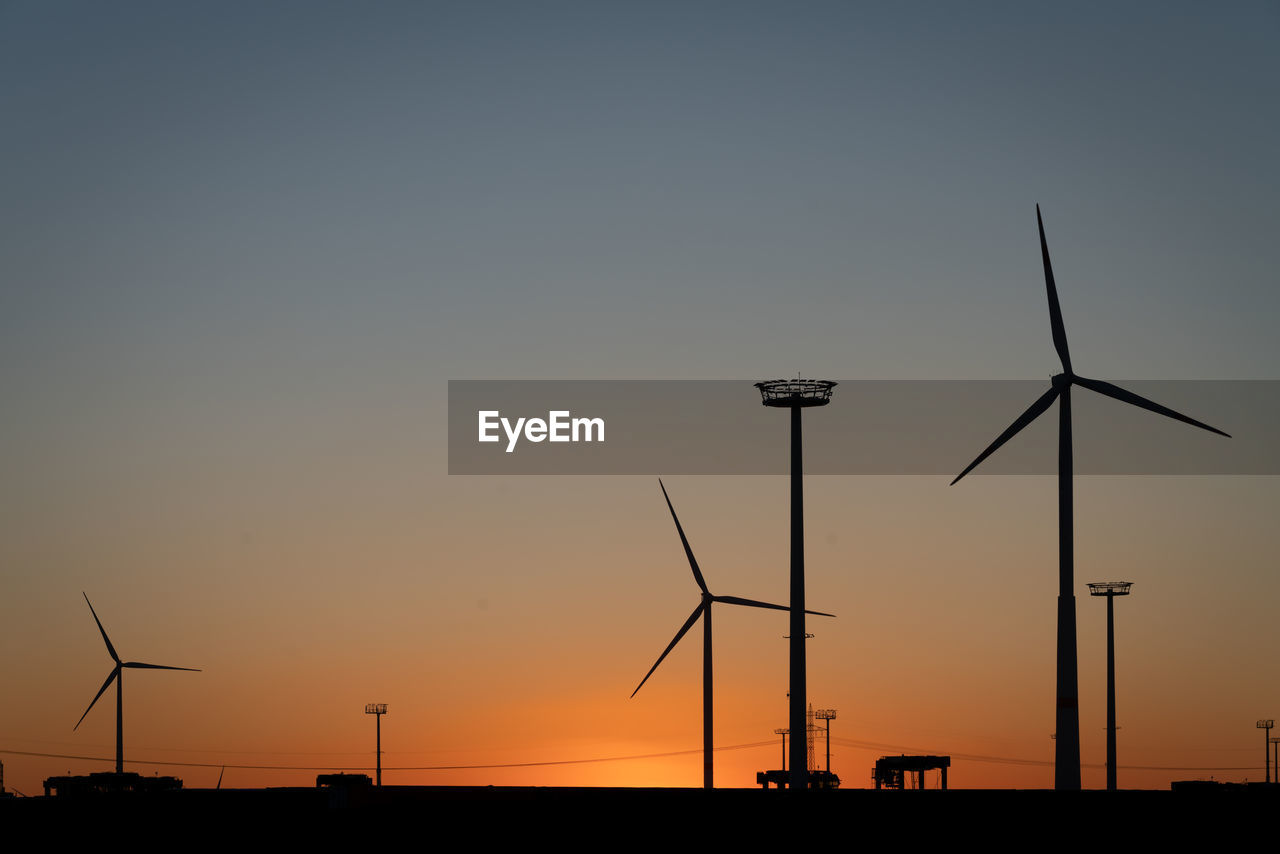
(118, 675)
(1067, 759)
(704, 610)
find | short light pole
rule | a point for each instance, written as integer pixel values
(827, 715)
(782, 731)
(377, 710)
(1266, 745)
(1111, 589)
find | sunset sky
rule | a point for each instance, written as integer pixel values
(244, 247)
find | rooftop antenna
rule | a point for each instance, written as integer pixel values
(1067, 754)
(117, 674)
(1111, 589)
(378, 710)
(797, 395)
(703, 610)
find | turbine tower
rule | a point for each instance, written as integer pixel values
(1067, 756)
(117, 674)
(703, 610)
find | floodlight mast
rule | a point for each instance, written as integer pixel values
(378, 710)
(1267, 724)
(827, 715)
(797, 395)
(1111, 589)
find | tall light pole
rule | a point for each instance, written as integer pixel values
(378, 710)
(1111, 589)
(827, 715)
(797, 395)
(1266, 745)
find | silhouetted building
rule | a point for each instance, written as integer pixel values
(105, 782)
(345, 781)
(781, 779)
(891, 771)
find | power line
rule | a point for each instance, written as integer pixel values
(217, 750)
(399, 768)
(846, 742)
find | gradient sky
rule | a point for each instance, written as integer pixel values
(243, 248)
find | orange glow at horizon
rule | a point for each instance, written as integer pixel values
(511, 669)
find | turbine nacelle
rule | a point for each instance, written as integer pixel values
(1060, 383)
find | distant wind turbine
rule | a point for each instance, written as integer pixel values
(704, 610)
(117, 673)
(1067, 758)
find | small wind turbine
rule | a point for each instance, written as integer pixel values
(704, 610)
(1067, 759)
(117, 673)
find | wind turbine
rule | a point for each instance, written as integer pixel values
(704, 610)
(1067, 758)
(117, 673)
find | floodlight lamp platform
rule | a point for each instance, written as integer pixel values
(797, 392)
(375, 709)
(1266, 724)
(1110, 588)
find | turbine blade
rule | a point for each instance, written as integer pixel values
(111, 649)
(115, 671)
(735, 600)
(1033, 412)
(140, 665)
(693, 563)
(1055, 310)
(693, 618)
(1129, 397)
